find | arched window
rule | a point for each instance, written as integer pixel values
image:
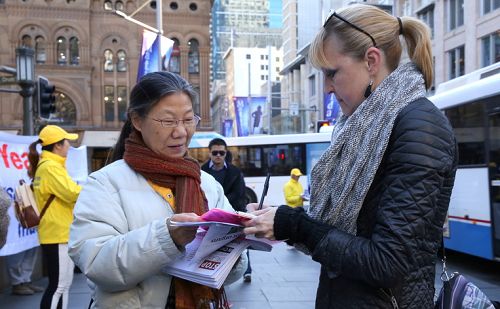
(119, 6)
(108, 5)
(40, 54)
(175, 59)
(121, 66)
(193, 56)
(26, 41)
(66, 109)
(74, 53)
(61, 50)
(108, 61)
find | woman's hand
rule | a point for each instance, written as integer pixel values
(254, 206)
(263, 224)
(183, 235)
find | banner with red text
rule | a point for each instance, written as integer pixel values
(13, 167)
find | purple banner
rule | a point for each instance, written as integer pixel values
(249, 112)
(331, 108)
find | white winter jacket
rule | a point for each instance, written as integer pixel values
(120, 241)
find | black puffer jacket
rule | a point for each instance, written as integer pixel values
(399, 225)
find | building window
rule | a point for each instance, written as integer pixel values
(490, 5)
(27, 41)
(40, 53)
(456, 62)
(427, 16)
(61, 50)
(121, 65)
(174, 6)
(109, 103)
(175, 59)
(108, 5)
(65, 109)
(193, 6)
(194, 57)
(74, 54)
(122, 102)
(119, 6)
(456, 14)
(262, 67)
(249, 56)
(312, 85)
(490, 49)
(108, 61)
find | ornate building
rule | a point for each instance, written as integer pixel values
(91, 55)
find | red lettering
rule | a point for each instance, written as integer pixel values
(3, 152)
(19, 161)
(26, 162)
(16, 160)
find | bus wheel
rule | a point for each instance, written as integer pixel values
(250, 196)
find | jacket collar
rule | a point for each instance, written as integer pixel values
(54, 157)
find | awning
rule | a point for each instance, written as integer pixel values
(107, 139)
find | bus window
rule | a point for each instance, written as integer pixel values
(468, 122)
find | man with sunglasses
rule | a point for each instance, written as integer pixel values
(231, 179)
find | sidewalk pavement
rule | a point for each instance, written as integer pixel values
(281, 279)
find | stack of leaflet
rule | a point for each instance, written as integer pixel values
(209, 258)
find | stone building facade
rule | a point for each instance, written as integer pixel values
(91, 55)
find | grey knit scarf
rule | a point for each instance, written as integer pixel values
(344, 173)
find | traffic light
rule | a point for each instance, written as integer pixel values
(45, 97)
(322, 123)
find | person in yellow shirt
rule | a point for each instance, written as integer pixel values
(293, 190)
(57, 192)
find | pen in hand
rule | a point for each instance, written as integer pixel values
(264, 192)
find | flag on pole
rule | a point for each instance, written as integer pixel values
(149, 53)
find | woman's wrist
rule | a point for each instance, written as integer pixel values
(286, 223)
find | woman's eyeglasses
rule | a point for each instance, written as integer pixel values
(350, 24)
(173, 123)
(218, 152)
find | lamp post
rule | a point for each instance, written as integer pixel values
(26, 79)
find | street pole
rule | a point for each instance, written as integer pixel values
(269, 99)
(27, 94)
(26, 79)
(159, 26)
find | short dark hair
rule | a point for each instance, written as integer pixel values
(217, 141)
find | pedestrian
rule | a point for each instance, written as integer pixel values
(54, 188)
(293, 190)
(122, 237)
(5, 202)
(380, 192)
(231, 178)
(20, 268)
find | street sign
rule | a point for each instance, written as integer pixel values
(294, 109)
(7, 80)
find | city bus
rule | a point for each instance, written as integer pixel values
(472, 104)
(257, 155)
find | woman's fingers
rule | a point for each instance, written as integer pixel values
(262, 225)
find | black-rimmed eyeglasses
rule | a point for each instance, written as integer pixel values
(350, 24)
(173, 123)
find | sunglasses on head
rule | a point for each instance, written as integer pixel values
(350, 24)
(218, 152)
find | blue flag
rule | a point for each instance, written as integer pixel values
(149, 52)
